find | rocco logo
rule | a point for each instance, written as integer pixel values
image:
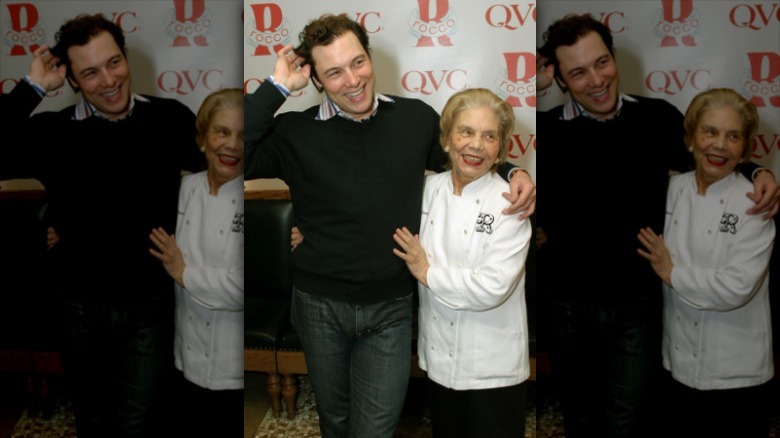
(267, 29)
(485, 223)
(189, 23)
(518, 81)
(438, 25)
(677, 23)
(763, 88)
(728, 223)
(27, 30)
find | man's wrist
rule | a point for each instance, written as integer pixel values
(282, 89)
(37, 87)
(759, 170)
(515, 169)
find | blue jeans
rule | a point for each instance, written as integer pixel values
(358, 359)
(115, 361)
(607, 361)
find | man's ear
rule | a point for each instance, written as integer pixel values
(73, 84)
(317, 83)
(561, 84)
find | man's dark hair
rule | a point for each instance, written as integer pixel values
(78, 32)
(566, 32)
(325, 30)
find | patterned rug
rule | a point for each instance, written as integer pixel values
(61, 424)
(305, 424)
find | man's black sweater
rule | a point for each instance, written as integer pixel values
(107, 183)
(352, 184)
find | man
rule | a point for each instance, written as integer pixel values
(111, 166)
(355, 167)
(606, 307)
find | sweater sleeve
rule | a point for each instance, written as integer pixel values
(264, 152)
(21, 146)
(723, 288)
(493, 275)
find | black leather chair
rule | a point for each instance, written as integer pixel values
(267, 287)
(31, 323)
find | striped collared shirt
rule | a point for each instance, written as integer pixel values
(329, 109)
(84, 109)
(572, 109)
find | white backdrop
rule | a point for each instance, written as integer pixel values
(674, 49)
(426, 49)
(182, 49)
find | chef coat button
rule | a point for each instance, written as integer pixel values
(187, 222)
(431, 221)
(477, 201)
(208, 324)
(221, 231)
(709, 231)
(465, 231)
(721, 201)
(675, 221)
(207, 355)
(234, 202)
(452, 324)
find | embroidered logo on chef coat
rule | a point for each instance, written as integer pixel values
(484, 222)
(238, 223)
(728, 223)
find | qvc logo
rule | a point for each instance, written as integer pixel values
(125, 21)
(756, 16)
(429, 25)
(763, 146)
(517, 148)
(674, 82)
(369, 21)
(509, 16)
(189, 23)
(763, 88)
(267, 29)
(429, 82)
(613, 20)
(185, 82)
(677, 26)
(514, 86)
(27, 31)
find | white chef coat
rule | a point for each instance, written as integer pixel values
(473, 329)
(209, 340)
(717, 324)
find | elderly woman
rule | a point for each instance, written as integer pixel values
(206, 259)
(469, 261)
(713, 259)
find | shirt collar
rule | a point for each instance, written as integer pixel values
(329, 109)
(572, 109)
(84, 109)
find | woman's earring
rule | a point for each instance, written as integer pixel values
(690, 149)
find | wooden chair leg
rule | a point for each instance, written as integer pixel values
(290, 393)
(274, 392)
